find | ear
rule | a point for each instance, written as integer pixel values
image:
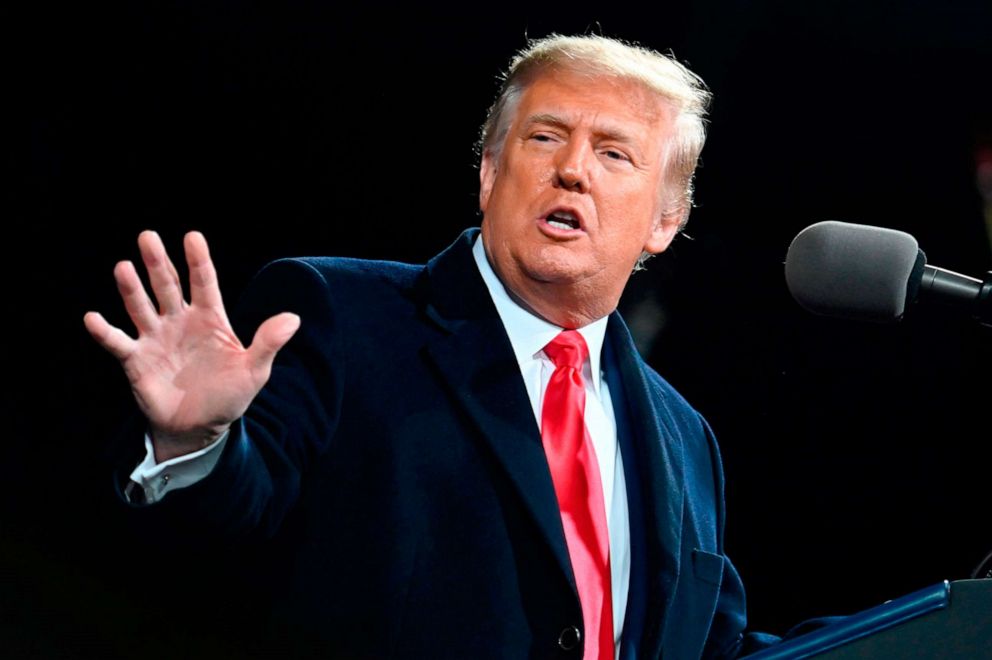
(487, 177)
(664, 231)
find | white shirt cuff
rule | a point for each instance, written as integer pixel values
(157, 479)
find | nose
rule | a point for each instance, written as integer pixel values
(572, 166)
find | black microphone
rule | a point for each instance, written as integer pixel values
(874, 274)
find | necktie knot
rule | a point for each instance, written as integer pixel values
(568, 349)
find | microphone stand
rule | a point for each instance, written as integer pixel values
(949, 288)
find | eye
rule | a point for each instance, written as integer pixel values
(613, 154)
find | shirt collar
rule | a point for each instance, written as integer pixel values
(528, 333)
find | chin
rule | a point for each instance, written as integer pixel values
(555, 265)
(554, 273)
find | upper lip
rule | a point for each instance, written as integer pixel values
(570, 210)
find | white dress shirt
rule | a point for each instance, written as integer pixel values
(528, 335)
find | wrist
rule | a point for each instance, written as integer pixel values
(169, 445)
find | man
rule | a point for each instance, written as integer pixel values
(480, 463)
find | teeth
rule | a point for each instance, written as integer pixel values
(563, 220)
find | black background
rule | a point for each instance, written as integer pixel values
(856, 455)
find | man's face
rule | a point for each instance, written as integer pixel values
(576, 194)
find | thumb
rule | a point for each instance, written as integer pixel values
(271, 336)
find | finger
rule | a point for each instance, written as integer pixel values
(112, 339)
(204, 290)
(161, 273)
(136, 301)
(269, 338)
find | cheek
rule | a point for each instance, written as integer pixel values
(530, 170)
(630, 219)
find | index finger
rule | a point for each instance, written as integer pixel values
(204, 290)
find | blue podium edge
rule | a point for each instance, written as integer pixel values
(862, 624)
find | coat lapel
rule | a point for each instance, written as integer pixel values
(474, 357)
(654, 450)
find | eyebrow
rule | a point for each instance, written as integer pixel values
(558, 121)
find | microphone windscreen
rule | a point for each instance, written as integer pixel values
(853, 271)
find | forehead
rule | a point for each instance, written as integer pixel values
(601, 102)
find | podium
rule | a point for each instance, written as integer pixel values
(950, 620)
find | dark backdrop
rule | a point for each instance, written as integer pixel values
(856, 454)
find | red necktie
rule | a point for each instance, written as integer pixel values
(579, 488)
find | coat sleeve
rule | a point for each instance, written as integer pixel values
(726, 638)
(292, 420)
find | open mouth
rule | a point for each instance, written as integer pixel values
(563, 220)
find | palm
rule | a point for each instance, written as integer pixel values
(190, 374)
(191, 370)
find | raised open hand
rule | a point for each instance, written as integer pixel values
(190, 374)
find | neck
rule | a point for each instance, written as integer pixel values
(561, 306)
